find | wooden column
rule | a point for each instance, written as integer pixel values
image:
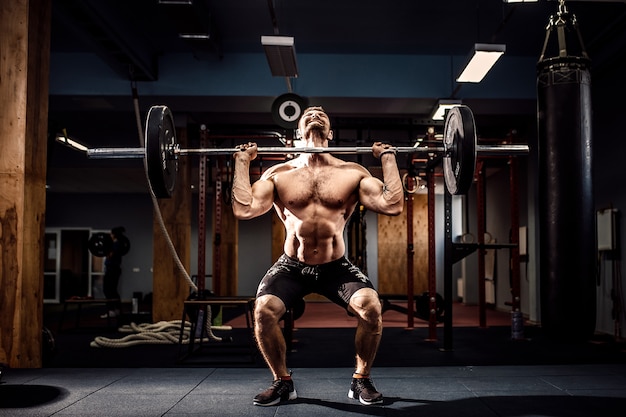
(170, 288)
(392, 250)
(24, 73)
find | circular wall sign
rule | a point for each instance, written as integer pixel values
(287, 110)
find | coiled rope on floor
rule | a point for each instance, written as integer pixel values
(160, 333)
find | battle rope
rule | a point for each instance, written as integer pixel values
(161, 333)
(155, 203)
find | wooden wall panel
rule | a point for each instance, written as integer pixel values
(392, 250)
(170, 288)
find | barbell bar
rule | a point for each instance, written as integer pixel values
(139, 153)
(162, 150)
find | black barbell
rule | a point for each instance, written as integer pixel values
(162, 150)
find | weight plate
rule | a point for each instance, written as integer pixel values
(287, 109)
(160, 161)
(100, 244)
(459, 142)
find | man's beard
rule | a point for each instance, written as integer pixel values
(315, 127)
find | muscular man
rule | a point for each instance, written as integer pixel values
(314, 195)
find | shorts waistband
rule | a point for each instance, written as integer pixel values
(304, 265)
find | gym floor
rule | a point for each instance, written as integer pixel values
(558, 390)
(487, 374)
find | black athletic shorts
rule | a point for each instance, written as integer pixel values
(290, 280)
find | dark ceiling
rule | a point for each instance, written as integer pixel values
(129, 35)
(151, 27)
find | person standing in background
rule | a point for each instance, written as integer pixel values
(113, 272)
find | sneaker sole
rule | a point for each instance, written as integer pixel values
(292, 396)
(362, 401)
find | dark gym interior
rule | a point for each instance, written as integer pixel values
(532, 315)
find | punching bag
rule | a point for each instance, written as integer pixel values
(566, 205)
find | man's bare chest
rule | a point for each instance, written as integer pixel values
(327, 186)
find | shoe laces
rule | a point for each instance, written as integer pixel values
(366, 384)
(279, 383)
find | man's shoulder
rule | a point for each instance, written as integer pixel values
(350, 165)
(277, 169)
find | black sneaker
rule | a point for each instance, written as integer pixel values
(281, 390)
(363, 389)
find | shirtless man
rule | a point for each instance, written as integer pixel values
(314, 195)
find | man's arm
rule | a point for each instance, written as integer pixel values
(387, 196)
(250, 201)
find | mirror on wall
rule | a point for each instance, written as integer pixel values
(69, 268)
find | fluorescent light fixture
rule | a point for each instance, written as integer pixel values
(520, 1)
(201, 36)
(482, 59)
(62, 138)
(442, 106)
(281, 55)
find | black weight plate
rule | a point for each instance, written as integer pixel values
(100, 244)
(287, 109)
(459, 141)
(422, 306)
(161, 162)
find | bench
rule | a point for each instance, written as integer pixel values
(191, 311)
(79, 302)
